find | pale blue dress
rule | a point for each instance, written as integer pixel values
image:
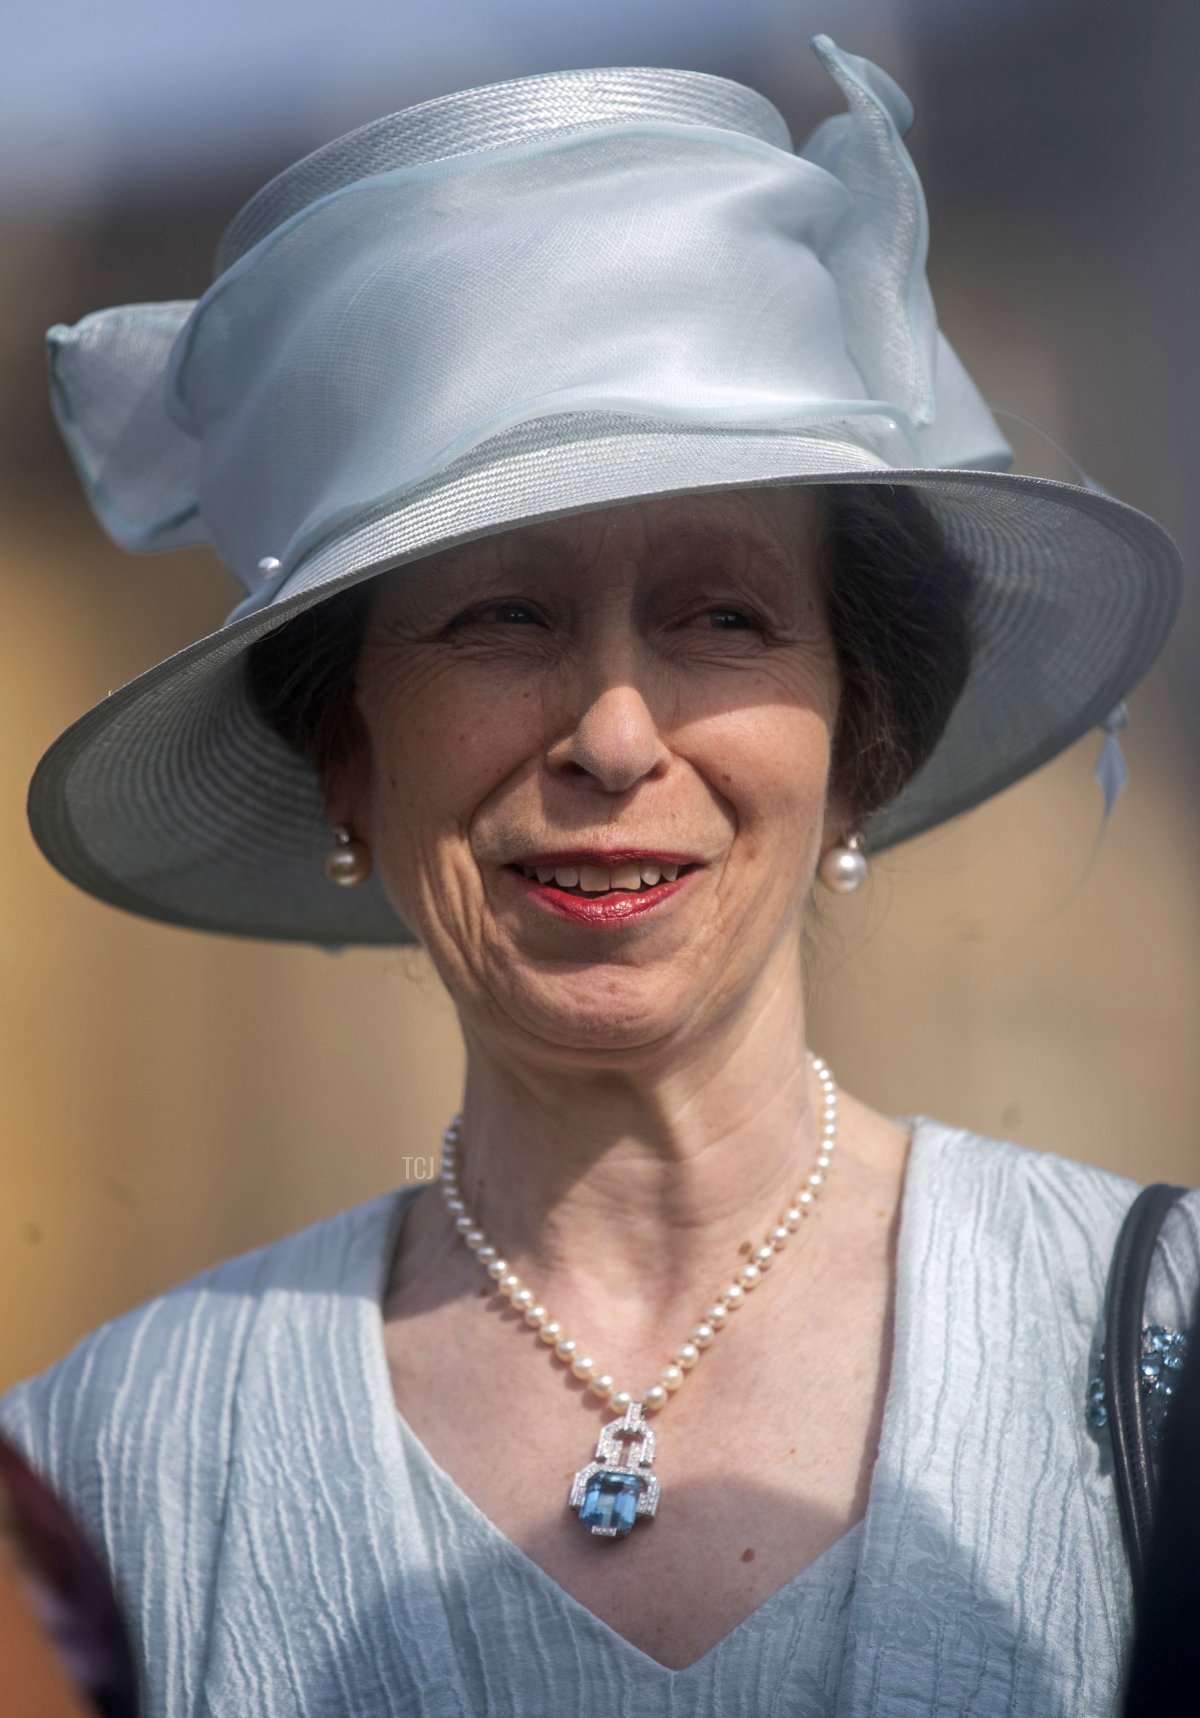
(284, 1545)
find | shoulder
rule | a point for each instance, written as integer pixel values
(1004, 1256)
(1060, 1216)
(151, 1397)
(963, 1170)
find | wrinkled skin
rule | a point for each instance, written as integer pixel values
(655, 676)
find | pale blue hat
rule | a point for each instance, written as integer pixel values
(532, 299)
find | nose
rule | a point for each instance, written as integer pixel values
(613, 739)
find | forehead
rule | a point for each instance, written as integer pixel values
(783, 518)
(775, 529)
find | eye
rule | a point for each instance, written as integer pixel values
(508, 613)
(729, 620)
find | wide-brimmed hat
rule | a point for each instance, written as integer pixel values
(519, 302)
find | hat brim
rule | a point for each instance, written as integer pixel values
(173, 799)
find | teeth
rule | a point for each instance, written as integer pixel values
(597, 880)
(625, 877)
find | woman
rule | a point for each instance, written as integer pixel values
(625, 549)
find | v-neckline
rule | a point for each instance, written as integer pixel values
(409, 1447)
(532, 1571)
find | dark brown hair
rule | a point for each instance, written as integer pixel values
(901, 606)
(900, 603)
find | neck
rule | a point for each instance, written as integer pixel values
(641, 1193)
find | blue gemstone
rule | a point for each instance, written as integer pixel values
(610, 1501)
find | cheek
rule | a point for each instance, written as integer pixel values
(771, 765)
(440, 745)
(770, 768)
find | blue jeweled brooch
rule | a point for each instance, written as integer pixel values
(1163, 1354)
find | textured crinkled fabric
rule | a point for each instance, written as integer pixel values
(282, 1544)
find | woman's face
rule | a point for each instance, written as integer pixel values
(594, 761)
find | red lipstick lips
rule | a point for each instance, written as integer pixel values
(613, 907)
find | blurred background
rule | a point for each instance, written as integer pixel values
(168, 1099)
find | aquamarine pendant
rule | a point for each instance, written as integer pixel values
(618, 1486)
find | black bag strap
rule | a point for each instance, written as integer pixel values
(1124, 1302)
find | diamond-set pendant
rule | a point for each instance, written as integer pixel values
(618, 1485)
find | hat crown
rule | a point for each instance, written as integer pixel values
(497, 116)
(635, 243)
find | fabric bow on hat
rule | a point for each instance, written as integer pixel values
(402, 317)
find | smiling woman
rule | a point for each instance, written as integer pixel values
(897, 601)
(640, 555)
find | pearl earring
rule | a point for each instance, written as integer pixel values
(349, 863)
(844, 867)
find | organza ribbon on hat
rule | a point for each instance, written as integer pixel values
(681, 271)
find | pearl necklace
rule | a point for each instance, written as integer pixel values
(618, 1485)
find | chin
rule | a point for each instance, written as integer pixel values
(600, 1014)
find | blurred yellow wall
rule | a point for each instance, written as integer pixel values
(168, 1098)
